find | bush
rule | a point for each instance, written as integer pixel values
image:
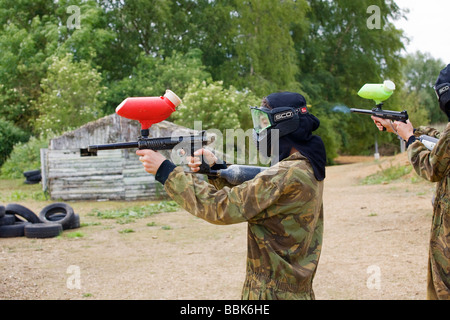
(24, 157)
(9, 136)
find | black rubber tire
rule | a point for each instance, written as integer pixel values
(56, 217)
(42, 230)
(50, 213)
(25, 213)
(33, 176)
(8, 219)
(31, 173)
(33, 181)
(75, 224)
(13, 230)
(2, 211)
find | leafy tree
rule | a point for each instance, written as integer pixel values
(153, 75)
(321, 48)
(95, 39)
(216, 107)
(70, 96)
(9, 136)
(339, 53)
(222, 110)
(264, 51)
(420, 73)
(24, 62)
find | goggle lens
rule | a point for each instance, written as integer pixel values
(261, 120)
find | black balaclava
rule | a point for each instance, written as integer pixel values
(302, 139)
(442, 88)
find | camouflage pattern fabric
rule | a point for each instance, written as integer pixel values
(434, 166)
(284, 211)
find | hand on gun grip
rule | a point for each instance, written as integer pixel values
(404, 130)
(195, 162)
(383, 124)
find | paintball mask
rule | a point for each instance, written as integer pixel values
(442, 89)
(284, 118)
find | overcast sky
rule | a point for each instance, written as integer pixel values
(427, 27)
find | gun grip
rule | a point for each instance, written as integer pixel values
(384, 128)
(204, 167)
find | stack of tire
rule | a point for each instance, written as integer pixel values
(32, 176)
(18, 221)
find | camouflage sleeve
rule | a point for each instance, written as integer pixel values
(431, 165)
(220, 183)
(227, 205)
(427, 131)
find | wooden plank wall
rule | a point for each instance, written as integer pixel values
(112, 174)
(109, 176)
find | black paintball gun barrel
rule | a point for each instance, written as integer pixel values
(165, 143)
(234, 174)
(186, 143)
(384, 114)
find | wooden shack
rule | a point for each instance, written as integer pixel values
(70, 172)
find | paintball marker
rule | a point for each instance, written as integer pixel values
(380, 93)
(148, 111)
(151, 110)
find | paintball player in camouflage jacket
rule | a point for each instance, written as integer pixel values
(282, 205)
(433, 166)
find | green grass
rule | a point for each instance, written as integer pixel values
(15, 190)
(74, 235)
(387, 175)
(127, 215)
(126, 231)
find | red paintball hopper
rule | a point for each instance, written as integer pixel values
(149, 110)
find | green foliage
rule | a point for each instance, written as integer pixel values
(264, 50)
(216, 107)
(153, 75)
(339, 53)
(387, 175)
(24, 157)
(331, 130)
(420, 72)
(27, 42)
(9, 136)
(233, 52)
(70, 96)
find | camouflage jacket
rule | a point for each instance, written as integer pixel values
(434, 166)
(284, 211)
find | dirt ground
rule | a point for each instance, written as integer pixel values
(375, 247)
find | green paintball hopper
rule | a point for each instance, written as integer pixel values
(377, 92)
